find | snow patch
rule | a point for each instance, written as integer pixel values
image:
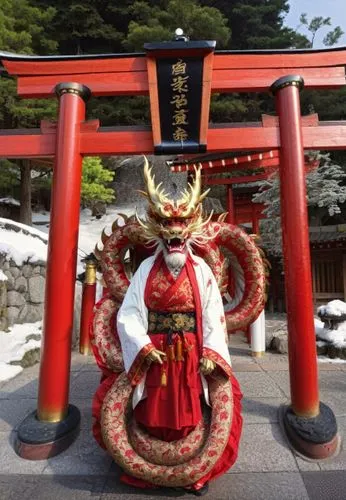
(336, 337)
(8, 371)
(332, 336)
(325, 359)
(29, 229)
(333, 308)
(90, 228)
(319, 327)
(14, 344)
(321, 343)
(3, 276)
(340, 344)
(21, 247)
(9, 201)
(22, 243)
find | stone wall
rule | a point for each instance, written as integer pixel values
(3, 303)
(25, 291)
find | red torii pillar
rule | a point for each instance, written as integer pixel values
(88, 302)
(56, 423)
(310, 425)
(230, 205)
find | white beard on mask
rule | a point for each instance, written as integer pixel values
(175, 261)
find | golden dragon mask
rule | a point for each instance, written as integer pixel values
(174, 222)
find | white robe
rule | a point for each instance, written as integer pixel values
(132, 319)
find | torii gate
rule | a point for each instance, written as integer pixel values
(311, 426)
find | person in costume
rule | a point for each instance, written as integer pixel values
(172, 328)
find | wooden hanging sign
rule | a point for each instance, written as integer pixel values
(179, 76)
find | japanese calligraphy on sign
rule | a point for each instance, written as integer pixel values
(180, 88)
(180, 93)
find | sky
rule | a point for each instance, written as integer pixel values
(335, 9)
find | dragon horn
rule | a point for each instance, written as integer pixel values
(104, 237)
(97, 252)
(222, 217)
(156, 197)
(193, 197)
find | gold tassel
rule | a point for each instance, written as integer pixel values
(170, 353)
(179, 356)
(163, 378)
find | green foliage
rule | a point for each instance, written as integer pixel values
(329, 104)
(9, 179)
(88, 27)
(120, 110)
(158, 23)
(23, 27)
(94, 181)
(333, 37)
(315, 25)
(257, 24)
(227, 108)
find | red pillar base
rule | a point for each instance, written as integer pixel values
(38, 440)
(315, 438)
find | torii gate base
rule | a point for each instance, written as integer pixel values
(309, 425)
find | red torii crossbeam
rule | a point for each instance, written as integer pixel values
(72, 79)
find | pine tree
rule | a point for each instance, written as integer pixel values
(158, 23)
(324, 192)
(86, 27)
(23, 29)
(315, 25)
(257, 24)
(94, 181)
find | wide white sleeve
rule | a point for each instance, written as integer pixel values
(213, 319)
(132, 324)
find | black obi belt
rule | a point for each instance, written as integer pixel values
(164, 322)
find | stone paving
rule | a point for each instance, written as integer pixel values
(266, 467)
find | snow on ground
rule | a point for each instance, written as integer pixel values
(29, 229)
(21, 247)
(90, 228)
(14, 344)
(42, 218)
(8, 371)
(325, 359)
